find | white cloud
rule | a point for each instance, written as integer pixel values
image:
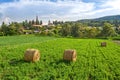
(108, 7)
(61, 9)
(7, 20)
(52, 10)
(114, 4)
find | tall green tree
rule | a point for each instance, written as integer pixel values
(19, 28)
(4, 29)
(92, 32)
(12, 29)
(108, 30)
(65, 30)
(37, 21)
(33, 22)
(75, 30)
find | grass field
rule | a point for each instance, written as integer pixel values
(93, 61)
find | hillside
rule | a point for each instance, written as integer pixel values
(115, 20)
(108, 18)
(105, 18)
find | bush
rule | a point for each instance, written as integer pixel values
(1, 34)
(116, 38)
(43, 33)
(50, 33)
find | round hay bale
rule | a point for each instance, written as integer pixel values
(32, 55)
(103, 44)
(70, 55)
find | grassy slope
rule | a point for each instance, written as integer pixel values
(93, 62)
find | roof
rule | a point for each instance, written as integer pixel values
(37, 25)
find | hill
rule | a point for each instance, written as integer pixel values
(108, 18)
(105, 18)
(115, 20)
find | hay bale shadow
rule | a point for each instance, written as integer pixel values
(91, 77)
(14, 62)
(98, 46)
(63, 61)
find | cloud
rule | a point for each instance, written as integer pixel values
(107, 7)
(114, 4)
(19, 10)
(46, 9)
(7, 20)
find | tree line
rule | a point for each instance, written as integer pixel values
(83, 31)
(60, 28)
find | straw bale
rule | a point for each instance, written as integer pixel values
(70, 55)
(31, 55)
(103, 44)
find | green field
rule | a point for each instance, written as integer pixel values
(93, 61)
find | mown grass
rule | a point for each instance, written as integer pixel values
(93, 61)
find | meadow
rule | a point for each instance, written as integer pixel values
(93, 61)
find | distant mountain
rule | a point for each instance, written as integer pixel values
(106, 18)
(115, 20)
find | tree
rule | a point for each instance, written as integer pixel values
(75, 30)
(37, 21)
(116, 23)
(19, 28)
(4, 29)
(108, 30)
(65, 30)
(92, 32)
(12, 29)
(26, 24)
(33, 22)
(30, 22)
(49, 22)
(41, 22)
(117, 30)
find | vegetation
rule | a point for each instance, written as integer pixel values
(98, 22)
(81, 31)
(116, 38)
(107, 30)
(94, 28)
(93, 61)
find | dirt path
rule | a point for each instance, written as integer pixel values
(117, 41)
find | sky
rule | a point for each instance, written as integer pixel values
(63, 10)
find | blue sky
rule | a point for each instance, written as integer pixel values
(66, 10)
